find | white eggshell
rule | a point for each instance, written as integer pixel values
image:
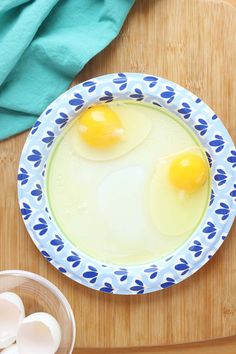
(13, 349)
(39, 333)
(12, 312)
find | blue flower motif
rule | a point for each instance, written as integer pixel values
(233, 193)
(169, 282)
(156, 104)
(214, 117)
(232, 158)
(210, 229)
(138, 288)
(46, 255)
(23, 176)
(37, 192)
(36, 157)
(212, 197)
(48, 111)
(138, 95)
(91, 274)
(196, 248)
(121, 80)
(185, 110)
(26, 211)
(198, 100)
(169, 95)
(62, 270)
(224, 211)
(58, 243)
(220, 177)
(183, 266)
(78, 101)
(35, 127)
(42, 227)
(48, 140)
(90, 85)
(168, 259)
(202, 126)
(74, 259)
(152, 270)
(62, 120)
(107, 288)
(218, 143)
(122, 272)
(107, 98)
(209, 158)
(152, 80)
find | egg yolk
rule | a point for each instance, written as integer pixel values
(100, 127)
(188, 172)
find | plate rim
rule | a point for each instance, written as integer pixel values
(128, 280)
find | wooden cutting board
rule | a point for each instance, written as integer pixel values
(191, 42)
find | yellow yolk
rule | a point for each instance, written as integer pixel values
(100, 127)
(188, 172)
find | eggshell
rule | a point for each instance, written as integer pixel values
(12, 312)
(39, 333)
(13, 349)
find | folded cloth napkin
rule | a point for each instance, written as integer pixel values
(43, 45)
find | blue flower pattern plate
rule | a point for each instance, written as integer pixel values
(187, 259)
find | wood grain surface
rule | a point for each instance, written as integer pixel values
(191, 42)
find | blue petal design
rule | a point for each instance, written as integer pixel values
(107, 288)
(169, 282)
(212, 197)
(122, 272)
(26, 211)
(152, 80)
(46, 255)
(23, 176)
(210, 229)
(220, 177)
(58, 243)
(232, 158)
(224, 211)
(218, 143)
(35, 127)
(62, 270)
(185, 110)
(233, 192)
(138, 95)
(36, 157)
(62, 120)
(107, 98)
(78, 101)
(196, 248)
(74, 259)
(42, 226)
(37, 192)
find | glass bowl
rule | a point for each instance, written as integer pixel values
(39, 295)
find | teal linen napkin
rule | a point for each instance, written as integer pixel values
(43, 45)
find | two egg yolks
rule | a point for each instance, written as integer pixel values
(100, 127)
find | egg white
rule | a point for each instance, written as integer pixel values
(105, 208)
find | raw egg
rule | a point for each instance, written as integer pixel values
(178, 192)
(109, 131)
